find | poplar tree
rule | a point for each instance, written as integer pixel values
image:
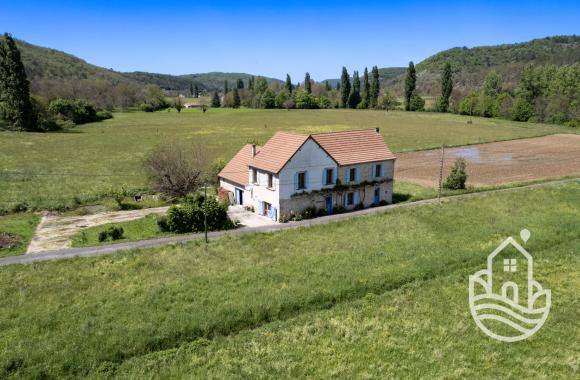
(344, 87)
(215, 100)
(327, 86)
(226, 90)
(289, 86)
(446, 88)
(366, 90)
(375, 87)
(354, 96)
(196, 91)
(410, 85)
(15, 104)
(307, 83)
(236, 99)
(251, 83)
(240, 84)
(191, 89)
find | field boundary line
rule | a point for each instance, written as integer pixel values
(150, 243)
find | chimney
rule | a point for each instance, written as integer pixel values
(377, 130)
(253, 150)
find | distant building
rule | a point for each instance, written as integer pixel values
(292, 172)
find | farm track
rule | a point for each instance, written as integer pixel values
(113, 248)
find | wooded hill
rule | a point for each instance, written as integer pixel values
(471, 65)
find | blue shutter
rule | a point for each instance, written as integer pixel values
(295, 181)
(357, 174)
(323, 178)
(356, 198)
(274, 214)
(260, 207)
(374, 170)
(306, 184)
(346, 171)
(382, 170)
(334, 175)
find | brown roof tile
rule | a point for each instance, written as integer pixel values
(237, 169)
(354, 147)
(277, 151)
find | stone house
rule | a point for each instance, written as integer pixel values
(336, 171)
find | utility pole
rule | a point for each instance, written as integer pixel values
(205, 210)
(441, 173)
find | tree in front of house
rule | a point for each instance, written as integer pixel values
(215, 100)
(458, 175)
(15, 104)
(446, 88)
(375, 87)
(236, 101)
(410, 85)
(354, 96)
(344, 87)
(307, 83)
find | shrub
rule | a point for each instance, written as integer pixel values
(417, 103)
(78, 111)
(338, 209)
(359, 206)
(457, 177)
(309, 212)
(104, 115)
(189, 217)
(116, 233)
(103, 235)
(162, 223)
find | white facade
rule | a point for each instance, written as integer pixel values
(369, 186)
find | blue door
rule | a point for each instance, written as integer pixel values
(377, 196)
(329, 204)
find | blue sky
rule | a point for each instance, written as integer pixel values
(276, 37)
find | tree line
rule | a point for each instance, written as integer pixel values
(350, 92)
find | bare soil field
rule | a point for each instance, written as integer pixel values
(496, 163)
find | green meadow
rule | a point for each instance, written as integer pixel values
(379, 296)
(82, 165)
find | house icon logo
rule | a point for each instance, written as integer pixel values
(506, 302)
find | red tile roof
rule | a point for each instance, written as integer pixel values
(237, 169)
(346, 148)
(354, 147)
(278, 151)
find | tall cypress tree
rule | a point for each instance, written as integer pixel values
(15, 104)
(251, 83)
(236, 98)
(215, 100)
(327, 86)
(191, 89)
(240, 84)
(307, 83)
(375, 87)
(410, 85)
(195, 91)
(226, 89)
(446, 88)
(366, 90)
(344, 87)
(289, 86)
(354, 96)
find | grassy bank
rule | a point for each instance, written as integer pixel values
(22, 226)
(98, 313)
(57, 170)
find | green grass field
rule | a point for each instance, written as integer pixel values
(58, 170)
(327, 301)
(21, 225)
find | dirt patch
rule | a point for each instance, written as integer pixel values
(9, 241)
(496, 163)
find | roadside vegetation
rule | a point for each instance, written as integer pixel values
(191, 295)
(16, 230)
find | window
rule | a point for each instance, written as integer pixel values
(270, 181)
(301, 180)
(329, 177)
(254, 176)
(350, 199)
(509, 265)
(352, 175)
(378, 170)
